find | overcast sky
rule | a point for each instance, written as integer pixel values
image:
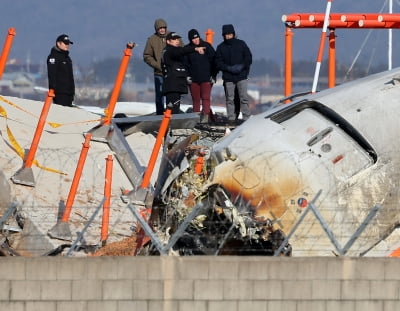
(101, 28)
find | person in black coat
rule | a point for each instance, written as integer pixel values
(60, 73)
(174, 70)
(233, 58)
(202, 73)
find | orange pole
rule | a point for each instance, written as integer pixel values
(118, 83)
(318, 24)
(288, 61)
(377, 24)
(312, 17)
(303, 23)
(355, 17)
(209, 36)
(39, 129)
(293, 17)
(340, 24)
(157, 145)
(389, 18)
(296, 16)
(340, 20)
(77, 177)
(332, 59)
(319, 17)
(6, 50)
(107, 194)
(395, 253)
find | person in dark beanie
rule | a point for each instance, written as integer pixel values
(202, 73)
(174, 70)
(233, 58)
(60, 72)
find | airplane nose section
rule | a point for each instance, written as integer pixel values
(270, 186)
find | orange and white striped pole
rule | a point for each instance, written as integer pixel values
(321, 46)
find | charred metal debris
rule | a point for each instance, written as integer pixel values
(184, 213)
(190, 215)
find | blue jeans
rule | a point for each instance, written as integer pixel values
(158, 85)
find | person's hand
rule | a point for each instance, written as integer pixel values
(189, 80)
(236, 68)
(212, 80)
(200, 49)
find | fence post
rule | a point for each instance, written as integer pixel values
(6, 50)
(24, 176)
(107, 195)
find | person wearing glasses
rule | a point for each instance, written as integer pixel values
(60, 72)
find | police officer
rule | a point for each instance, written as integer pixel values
(60, 73)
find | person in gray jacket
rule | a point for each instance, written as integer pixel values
(152, 56)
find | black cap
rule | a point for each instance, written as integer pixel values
(192, 34)
(173, 36)
(64, 38)
(228, 29)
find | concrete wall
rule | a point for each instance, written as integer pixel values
(199, 284)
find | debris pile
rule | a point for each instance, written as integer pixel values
(180, 213)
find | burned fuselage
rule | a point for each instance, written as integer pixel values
(318, 176)
(339, 142)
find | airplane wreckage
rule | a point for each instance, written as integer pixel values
(316, 177)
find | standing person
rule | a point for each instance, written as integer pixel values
(152, 56)
(60, 72)
(174, 70)
(202, 73)
(233, 58)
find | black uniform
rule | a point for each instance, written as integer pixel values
(175, 74)
(61, 77)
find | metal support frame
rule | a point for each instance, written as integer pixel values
(10, 210)
(164, 248)
(341, 250)
(353, 238)
(125, 156)
(81, 233)
(115, 137)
